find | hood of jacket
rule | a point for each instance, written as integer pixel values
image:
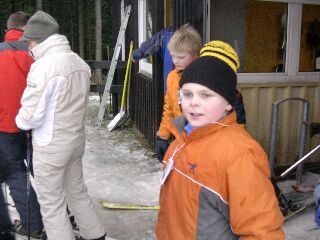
(13, 35)
(54, 44)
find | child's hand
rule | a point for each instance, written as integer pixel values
(133, 60)
(161, 148)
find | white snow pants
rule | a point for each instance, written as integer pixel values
(59, 182)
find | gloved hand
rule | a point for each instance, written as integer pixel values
(161, 148)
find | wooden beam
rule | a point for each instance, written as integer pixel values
(100, 88)
(105, 64)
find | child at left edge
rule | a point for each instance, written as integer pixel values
(216, 182)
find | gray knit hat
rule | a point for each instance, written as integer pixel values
(39, 27)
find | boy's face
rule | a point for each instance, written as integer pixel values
(181, 60)
(202, 106)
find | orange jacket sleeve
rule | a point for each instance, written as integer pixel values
(254, 208)
(171, 107)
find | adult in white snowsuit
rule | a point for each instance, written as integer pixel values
(54, 105)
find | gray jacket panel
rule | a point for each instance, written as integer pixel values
(213, 218)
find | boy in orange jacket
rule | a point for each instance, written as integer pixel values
(184, 47)
(216, 182)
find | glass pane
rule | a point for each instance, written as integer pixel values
(256, 29)
(310, 39)
(149, 24)
(149, 19)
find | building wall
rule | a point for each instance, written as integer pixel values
(258, 99)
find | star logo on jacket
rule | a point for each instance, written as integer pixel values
(192, 167)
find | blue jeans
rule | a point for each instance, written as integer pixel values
(13, 173)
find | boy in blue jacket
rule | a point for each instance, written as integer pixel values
(157, 44)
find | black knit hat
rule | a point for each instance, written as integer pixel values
(216, 69)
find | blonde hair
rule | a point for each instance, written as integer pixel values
(186, 39)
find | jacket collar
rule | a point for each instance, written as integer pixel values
(13, 35)
(54, 44)
(179, 72)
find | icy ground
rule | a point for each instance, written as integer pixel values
(118, 167)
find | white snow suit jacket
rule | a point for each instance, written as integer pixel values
(55, 100)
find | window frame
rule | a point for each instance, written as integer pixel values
(291, 73)
(144, 66)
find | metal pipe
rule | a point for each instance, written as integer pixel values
(299, 161)
(273, 136)
(303, 138)
(273, 133)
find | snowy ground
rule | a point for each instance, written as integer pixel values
(118, 167)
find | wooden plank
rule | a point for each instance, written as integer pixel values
(258, 99)
(100, 88)
(105, 64)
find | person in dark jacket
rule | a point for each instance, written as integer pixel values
(14, 67)
(157, 44)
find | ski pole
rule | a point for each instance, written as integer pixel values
(299, 161)
(29, 156)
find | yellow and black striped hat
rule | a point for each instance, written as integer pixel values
(222, 51)
(216, 68)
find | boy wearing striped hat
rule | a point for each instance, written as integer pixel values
(216, 180)
(184, 47)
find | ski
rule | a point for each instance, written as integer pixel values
(128, 206)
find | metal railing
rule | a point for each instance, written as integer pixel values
(274, 129)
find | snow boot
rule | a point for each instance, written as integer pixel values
(37, 234)
(100, 238)
(6, 235)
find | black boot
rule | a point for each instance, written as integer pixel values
(100, 238)
(6, 235)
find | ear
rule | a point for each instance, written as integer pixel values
(229, 107)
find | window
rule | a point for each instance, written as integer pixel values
(256, 30)
(145, 31)
(276, 40)
(310, 39)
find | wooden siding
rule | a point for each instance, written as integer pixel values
(258, 99)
